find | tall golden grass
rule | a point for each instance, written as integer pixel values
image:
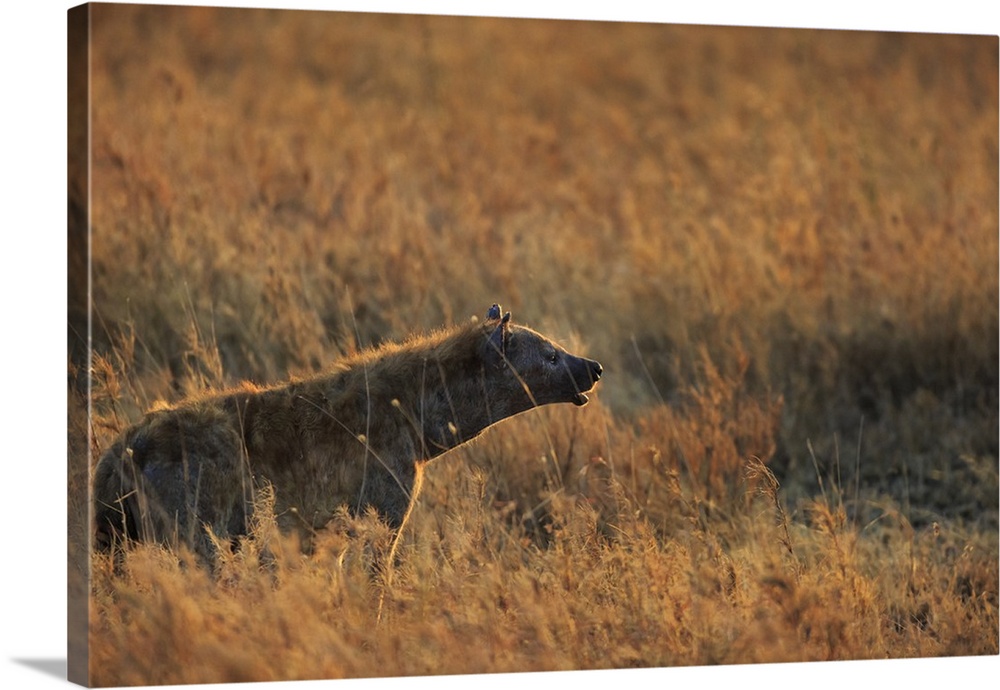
(782, 245)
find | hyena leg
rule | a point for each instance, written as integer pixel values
(114, 488)
(175, 492)
(204, 497)
(393, 496)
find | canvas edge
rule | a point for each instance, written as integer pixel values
(78, 337)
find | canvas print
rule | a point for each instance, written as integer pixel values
(407, 345)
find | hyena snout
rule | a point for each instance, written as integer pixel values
(586, 373)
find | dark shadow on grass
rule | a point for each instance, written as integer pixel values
(50, 667)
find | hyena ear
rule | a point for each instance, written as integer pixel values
(493, 313)
(496, 348)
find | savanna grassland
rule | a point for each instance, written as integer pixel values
(782, 245)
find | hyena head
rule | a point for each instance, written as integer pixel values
(524, 369)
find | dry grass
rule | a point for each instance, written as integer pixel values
(782, 245)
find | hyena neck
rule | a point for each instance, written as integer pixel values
(449, 420)
(444, 389)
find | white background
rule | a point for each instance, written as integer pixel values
(33, 331)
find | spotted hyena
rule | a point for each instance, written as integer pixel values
(357, 436)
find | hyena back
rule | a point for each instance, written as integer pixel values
(358, 436)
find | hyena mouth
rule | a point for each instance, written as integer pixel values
(589, 380)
